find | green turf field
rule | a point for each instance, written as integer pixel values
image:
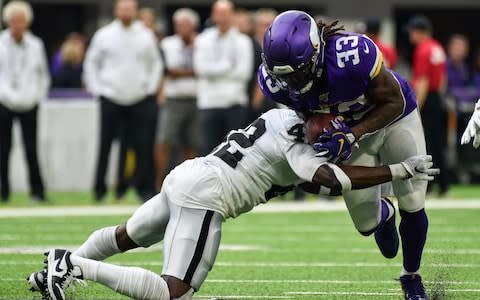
(314, 255)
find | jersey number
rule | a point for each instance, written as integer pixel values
(244, 138)
(297, 132)
(347, 50)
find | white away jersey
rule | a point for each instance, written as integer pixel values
(248, 168)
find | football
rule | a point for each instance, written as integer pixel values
(315, 125)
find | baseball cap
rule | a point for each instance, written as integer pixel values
(419, 22)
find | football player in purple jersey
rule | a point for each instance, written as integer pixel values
(319, 67)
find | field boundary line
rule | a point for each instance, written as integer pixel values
(274, 207)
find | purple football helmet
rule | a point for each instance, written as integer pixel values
(293, 50)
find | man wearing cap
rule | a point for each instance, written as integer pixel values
(428, 80)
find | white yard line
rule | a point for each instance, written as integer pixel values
(274, 207)
(234, 247)
(314, 281)
(271, 264)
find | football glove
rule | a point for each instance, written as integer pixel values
(473, 128)
(418, 167)
(336, 143)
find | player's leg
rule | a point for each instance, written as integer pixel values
(138, 283)
(190, 125)
(405, 139)
(144, 228)
(6, 122)
(369, 212)
(169, 133)
(191, 244)
(109, 115)
(28, 120)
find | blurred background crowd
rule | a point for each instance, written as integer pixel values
(168, 81)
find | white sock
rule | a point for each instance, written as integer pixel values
(100, 245)
(405, 272)
(134, 282)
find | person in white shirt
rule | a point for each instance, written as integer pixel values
(24, 82)
(177, 123)
(223, 62)
(123, 68)
(253, 165)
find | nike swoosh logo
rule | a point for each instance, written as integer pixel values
(58, 267)
(366, 50)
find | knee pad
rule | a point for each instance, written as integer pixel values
(187, 296)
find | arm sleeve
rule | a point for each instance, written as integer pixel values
(156, 65)
(303, 160)
(371, 58)
(202, 65)
(243, 67)
(92, 65)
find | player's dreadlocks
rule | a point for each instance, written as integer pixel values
(330, 28)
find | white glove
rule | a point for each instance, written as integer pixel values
(473, 128)
(418, 167)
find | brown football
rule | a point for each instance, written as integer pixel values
(315, 125)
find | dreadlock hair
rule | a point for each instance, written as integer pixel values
(329, 28)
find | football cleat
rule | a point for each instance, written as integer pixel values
(37, 281)
(60, 273)
(386, 236)
(413, 288)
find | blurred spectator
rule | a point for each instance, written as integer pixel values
(69, 75)
(244, 23)
(24, 82)
(178, 116)
(428, 80)
(123, 68)
(126, 174)
(476, 69)
(461, 89)
(223, 63)
(263, 19)
(147, 16)
(56, 62)
(372, 28)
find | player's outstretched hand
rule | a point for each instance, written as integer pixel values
(419, 167)
(473, 128)
(336, 142)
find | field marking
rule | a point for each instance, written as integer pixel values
(28, 249)
(316, 281)
(274, 207)
(155, 248)
(273, 264)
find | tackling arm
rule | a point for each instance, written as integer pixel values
(345, 178)
(385, 93)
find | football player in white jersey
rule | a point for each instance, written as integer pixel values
(249, 167)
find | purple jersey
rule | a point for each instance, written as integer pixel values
(351, 62)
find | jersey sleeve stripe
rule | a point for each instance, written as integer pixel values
(377, 66)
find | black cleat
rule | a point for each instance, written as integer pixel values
(413, 288)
